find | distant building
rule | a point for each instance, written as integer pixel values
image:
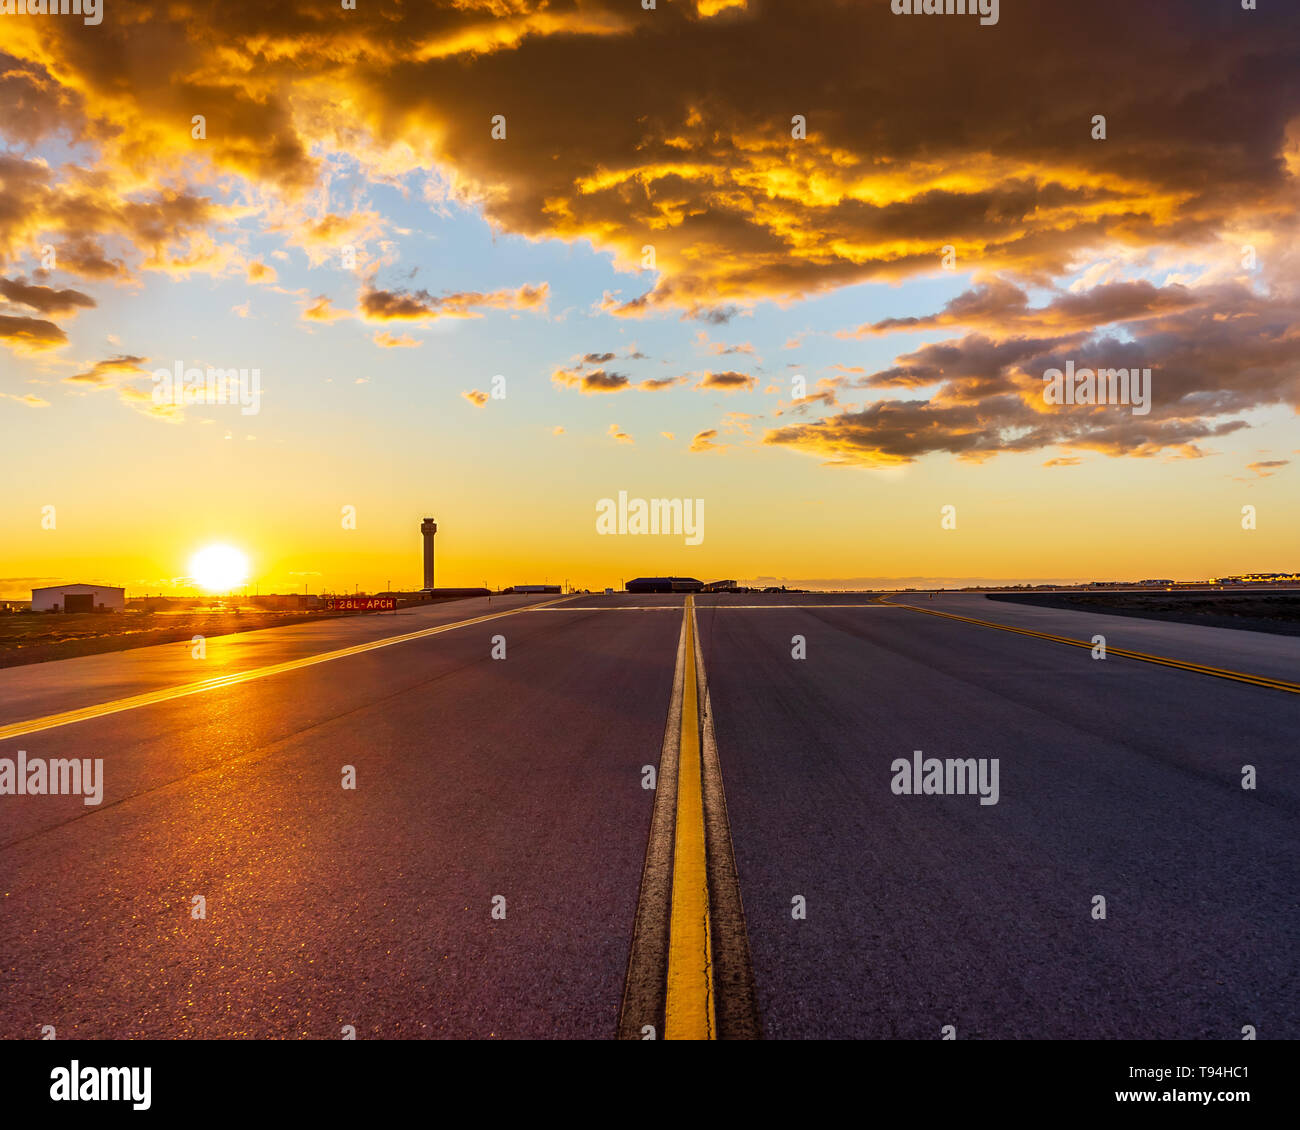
(533, 588)
(665, 584)
(720, 586)
(1258, 578)
(281, 602)
(78, 598)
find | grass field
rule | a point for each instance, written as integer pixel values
(1274, 611)
(37, 637)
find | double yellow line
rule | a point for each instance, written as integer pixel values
(1161, 660)
(689, 974)
(688, 1009)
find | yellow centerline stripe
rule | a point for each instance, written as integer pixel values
(710, 607)
(67, 717)
(1164, 661)
(688, 1010)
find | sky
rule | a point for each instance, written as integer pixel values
(494, 261)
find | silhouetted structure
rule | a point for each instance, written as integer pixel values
(665, 584)
(428, 528)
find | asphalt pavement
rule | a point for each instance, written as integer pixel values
(484, 877)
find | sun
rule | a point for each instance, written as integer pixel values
(219, 568)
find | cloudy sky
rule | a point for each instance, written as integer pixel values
(496, 260)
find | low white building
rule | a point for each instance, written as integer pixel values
(78, 598)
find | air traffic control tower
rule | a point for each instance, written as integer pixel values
(428, 528)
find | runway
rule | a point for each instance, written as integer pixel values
(486, 876)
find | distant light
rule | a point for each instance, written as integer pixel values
(219, 568)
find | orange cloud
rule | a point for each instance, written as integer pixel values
(121, 373)
(597, 380)
(31, 399)
(705, 441)
(321, 310)
(260, 272)
(386, 340)
(1266, 467)
(720, 348)
(887, 183)
(30, 335)
(658, 384)
(113, 370)
(420, 305)
(736, 208)
(729, 381)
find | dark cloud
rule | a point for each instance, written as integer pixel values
(729, 381)
(112, 370)
(44, 299)
(85, 257)
(420, 305)
(904, 118)
(30, 335)
(1218, 352)
(169, 229)
(1265, 467)
(922, 134)
(1001, 305)
(35, 103)
(896, 432)
(597, 380)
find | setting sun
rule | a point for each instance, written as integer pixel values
(219, 568)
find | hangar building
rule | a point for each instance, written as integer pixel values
(664, 584)
(79, 598)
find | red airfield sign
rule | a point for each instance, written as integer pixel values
(361, 603)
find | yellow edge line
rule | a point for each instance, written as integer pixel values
(67, 717)
(1181, 664)
(688, 1009)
